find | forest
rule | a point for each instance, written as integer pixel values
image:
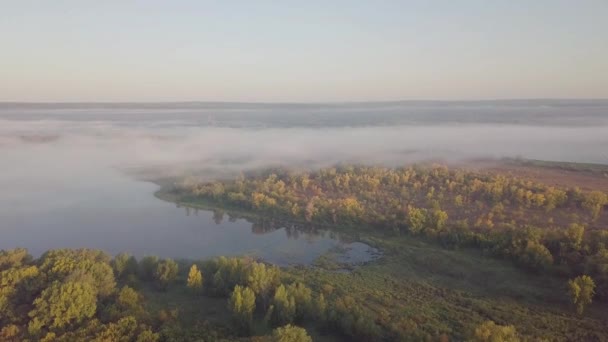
(466, 256)
(540, 228)
(68, 295)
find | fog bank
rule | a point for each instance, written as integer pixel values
(64, 181)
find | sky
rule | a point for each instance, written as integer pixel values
(301, 51)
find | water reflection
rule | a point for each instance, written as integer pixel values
(296, 243)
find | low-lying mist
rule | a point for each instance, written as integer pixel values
(82, 180)
(50, 155)
(62, 150)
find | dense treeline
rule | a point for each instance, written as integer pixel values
(85, 295)
(539, 227)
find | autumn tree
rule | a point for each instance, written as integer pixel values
(581, 291)
(416, 219)
(594, 201)
(129, 300)
(195, 278)
(63, 304)
(489, 331)
(290, 333)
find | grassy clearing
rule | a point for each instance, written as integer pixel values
(451, 292)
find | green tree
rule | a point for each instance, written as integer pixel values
(489, 331)
(573, 236)
(195, 278)
(321, 308)
(581, 291)
(166, 272)
(284, 306)
(147, 267)
(242, 305)
(124, 264)
(263, 279)
(290, 333)
(302, 296)
(535, 256)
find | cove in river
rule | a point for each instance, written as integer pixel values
(118, 214)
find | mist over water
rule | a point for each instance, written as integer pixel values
(64, 183)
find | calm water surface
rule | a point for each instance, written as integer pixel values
(121, 214)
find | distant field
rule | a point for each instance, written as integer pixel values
(563, 174)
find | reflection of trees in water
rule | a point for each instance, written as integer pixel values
(261, 225)
(297, 230)
(188, 210)
(218, 216)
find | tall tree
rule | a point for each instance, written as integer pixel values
(242, 305)
(195, 278)
(581, 291)
(263, 279)
(284, 306)
(166, 272)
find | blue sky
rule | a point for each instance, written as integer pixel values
(302, 51)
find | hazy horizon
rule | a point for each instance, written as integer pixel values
(355, 102)
(344, 51)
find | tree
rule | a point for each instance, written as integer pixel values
(290, 333)
(14, 258)
(581, 291)
(80, 265)
(129, 300)
(321, 308)
(489, 331)
(63, 304)
(127, 329)
(302, 296)
(284, 306)
(573, 236)
(416, 219)
(262, 279)
(195, 278)
(439, 218)
(166, 272)
(148, 266)
(535, 256)
(242, 305)
(124, 264)
(594, 201)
